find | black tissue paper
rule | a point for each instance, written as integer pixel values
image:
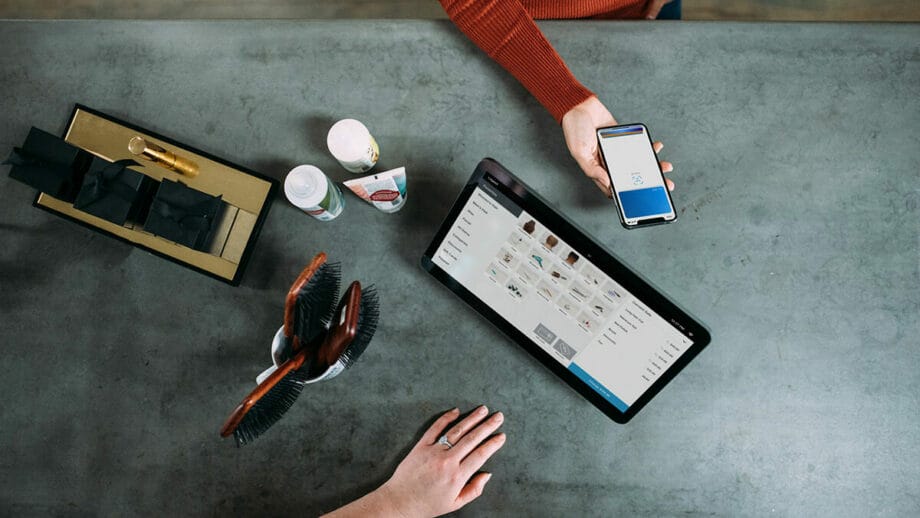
(49, 164)
(115, 193)
(184, 215)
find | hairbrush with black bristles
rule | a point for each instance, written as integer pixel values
(336, 356)
(320, 340)
(309, 305)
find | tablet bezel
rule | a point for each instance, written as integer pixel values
(603, 259)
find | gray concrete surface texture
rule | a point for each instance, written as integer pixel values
(796, 154)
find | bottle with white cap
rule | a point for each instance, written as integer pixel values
(312, 192)
(352, 145)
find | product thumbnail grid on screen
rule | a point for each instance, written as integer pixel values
(549, 291)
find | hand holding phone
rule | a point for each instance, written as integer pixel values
(636, 179)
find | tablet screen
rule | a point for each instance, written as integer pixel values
(549, 289)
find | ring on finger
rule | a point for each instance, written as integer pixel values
(443, 440)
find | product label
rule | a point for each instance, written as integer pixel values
(321, 214)
(366, 162)
(330, 207)
(385, 195)
(375, 151)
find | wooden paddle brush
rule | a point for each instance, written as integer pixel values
(339, 359)
(272, 398)
(353, 326)
(309, 305)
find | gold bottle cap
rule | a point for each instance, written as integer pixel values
(137, 145)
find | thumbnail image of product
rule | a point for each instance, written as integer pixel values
(579, 293)
(527, 275)
(571, 258)
(507, 258)
(515, 289)
(538, 258)
(612, 292)
(586, 321)
(566, 304)
(519, 241)
(497, 273)
(549, 241)
(559, 275)
(591, 276)
(530, 226)
(547, 290)
(561, 250)
(564, 349)
(599, 307)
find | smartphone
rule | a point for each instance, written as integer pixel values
(638, 185)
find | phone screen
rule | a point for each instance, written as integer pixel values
(635, 176)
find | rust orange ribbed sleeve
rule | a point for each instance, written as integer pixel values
(505, 30)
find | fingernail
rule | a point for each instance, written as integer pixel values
(453, 411)
(488, 477)
(503, 437)
(499, 417)
(481, 410)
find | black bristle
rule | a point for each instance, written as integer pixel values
(316, 302)
(271, 407)
(368, 315)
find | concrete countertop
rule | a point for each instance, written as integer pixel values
(797, 155)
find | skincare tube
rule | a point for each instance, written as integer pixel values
(312, 192)
(352, 145)
(386, 190)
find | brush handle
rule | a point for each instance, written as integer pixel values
(290, 302)
(344, 328)
(239, 413)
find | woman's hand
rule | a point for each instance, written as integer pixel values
(653, 7)
(579, 125)
(435, 478)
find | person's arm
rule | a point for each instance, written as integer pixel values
(435, 479)
(508, 34)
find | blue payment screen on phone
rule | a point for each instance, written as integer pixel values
(633, 166)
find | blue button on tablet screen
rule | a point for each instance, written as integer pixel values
(645, 202)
